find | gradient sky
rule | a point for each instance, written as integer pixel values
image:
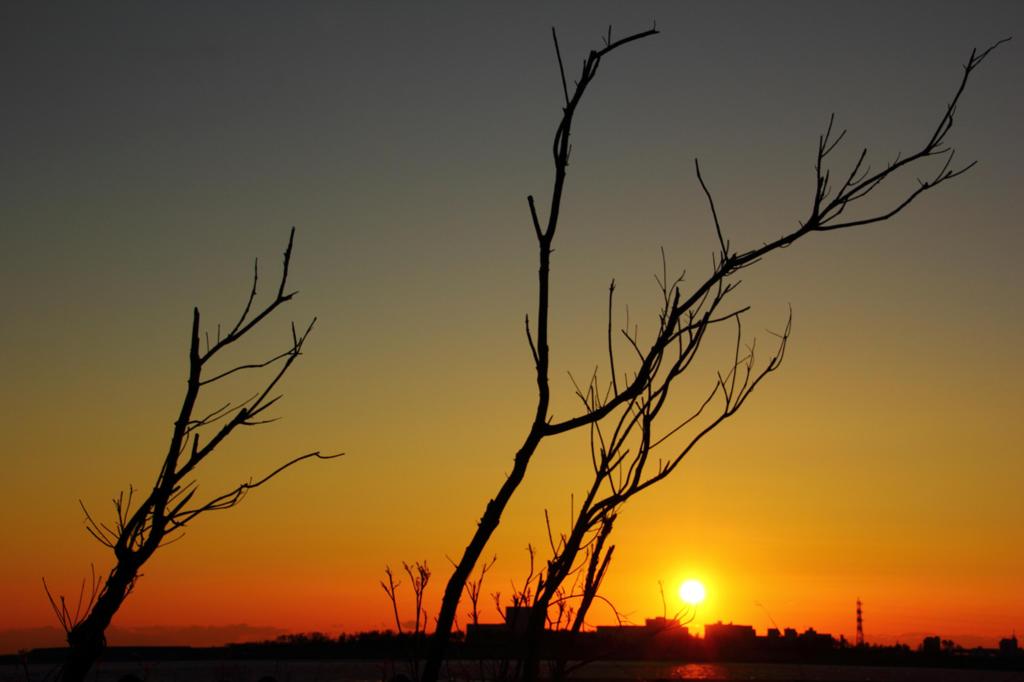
(150, 152)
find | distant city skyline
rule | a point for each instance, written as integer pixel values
(51, 636)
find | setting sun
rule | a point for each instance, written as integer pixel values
(692, 592)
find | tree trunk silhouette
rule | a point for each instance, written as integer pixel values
(541, 354)
(87, 639)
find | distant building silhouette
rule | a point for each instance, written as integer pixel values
(728, 633)
(1008, 646)
(815, 639)
(651, 627)
(517, 620)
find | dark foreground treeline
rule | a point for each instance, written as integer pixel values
(588, 646)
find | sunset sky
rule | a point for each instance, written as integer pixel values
(149, 152)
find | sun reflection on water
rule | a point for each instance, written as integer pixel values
(699, 671)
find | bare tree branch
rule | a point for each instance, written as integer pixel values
(141, 526)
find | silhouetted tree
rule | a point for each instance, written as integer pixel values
(474, 588)
(633, 401)
(141, 526)
(419, 578)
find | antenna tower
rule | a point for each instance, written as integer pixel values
(860, 624)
